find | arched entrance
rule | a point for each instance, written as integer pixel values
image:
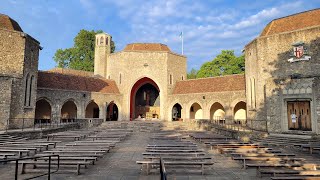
(43, 111)
(92, 110)
(239, 112)
(176, 112)
(68, 111)
(196, 111)
(112, 112)
(217, 111)
(145, 99)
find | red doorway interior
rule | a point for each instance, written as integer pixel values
(134, 90)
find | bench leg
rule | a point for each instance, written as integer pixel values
(202, 169)
(23, 166)
(78, 169)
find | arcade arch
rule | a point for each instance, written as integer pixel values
(92, 110)
(43, 111)
(217, 111)
(196, 111)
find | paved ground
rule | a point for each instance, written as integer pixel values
(120, 164)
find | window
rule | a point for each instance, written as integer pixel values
(109, 77)
(120, 78)
(170, 80)
(182, 78)
(26, 91)
(101, 41)
(30, 90)
(107, 41)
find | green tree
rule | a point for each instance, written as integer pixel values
(192, 74)
(225, 63)
(81, 55)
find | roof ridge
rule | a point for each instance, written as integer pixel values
(213, 77)
(296, 14)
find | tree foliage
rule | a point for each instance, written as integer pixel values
(192, 74)
(225, 63)
(81, 55)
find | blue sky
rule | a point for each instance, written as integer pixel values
(208, 26)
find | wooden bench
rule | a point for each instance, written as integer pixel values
(18, 151)
(147, 165)
(262, 154)
(273, 159)
(196, 154)
(53, 136)
(174, 150)
(268, 165)
(73, 151)
(72, 158)
(76, 164)
(295, 178)
(276, 172)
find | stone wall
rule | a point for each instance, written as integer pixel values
(267, 63)
(56, 98)
(157, 66)
(19, 60)
(5, 100)
(227, 99)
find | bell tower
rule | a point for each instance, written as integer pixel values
(102, 51)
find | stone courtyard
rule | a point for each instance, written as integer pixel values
(120, 162)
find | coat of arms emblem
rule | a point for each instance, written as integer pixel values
(299, 52)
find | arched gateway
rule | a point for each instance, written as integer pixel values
(145, 99)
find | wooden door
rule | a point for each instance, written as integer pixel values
(299, 115)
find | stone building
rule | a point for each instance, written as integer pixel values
(19, 54)
(283, 74)
(148, 80)
(144, 80)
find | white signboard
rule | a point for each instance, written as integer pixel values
(293, 118)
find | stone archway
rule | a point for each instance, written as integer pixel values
(176, 112)
(68, 111)
(43, 111)
(112, 112)
(239, 112)
(196, 111)
(92, 110)
(217, 111)
(145, 99)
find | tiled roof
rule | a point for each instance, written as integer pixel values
(293, 22)
(71, 72)
(213, 84)
(7, 23)
(147, 47)
(54, 80)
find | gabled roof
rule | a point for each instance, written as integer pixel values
(147, 47)
(7, 23)
(293, 22)
(55, 80)
(71, 72)
(213, 84)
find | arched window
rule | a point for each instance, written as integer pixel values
(182, 77)
(101, 41)
(26, 90)
(30, 90)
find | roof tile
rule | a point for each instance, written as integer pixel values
(293, 22)
(55, 80)
(213, 84)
